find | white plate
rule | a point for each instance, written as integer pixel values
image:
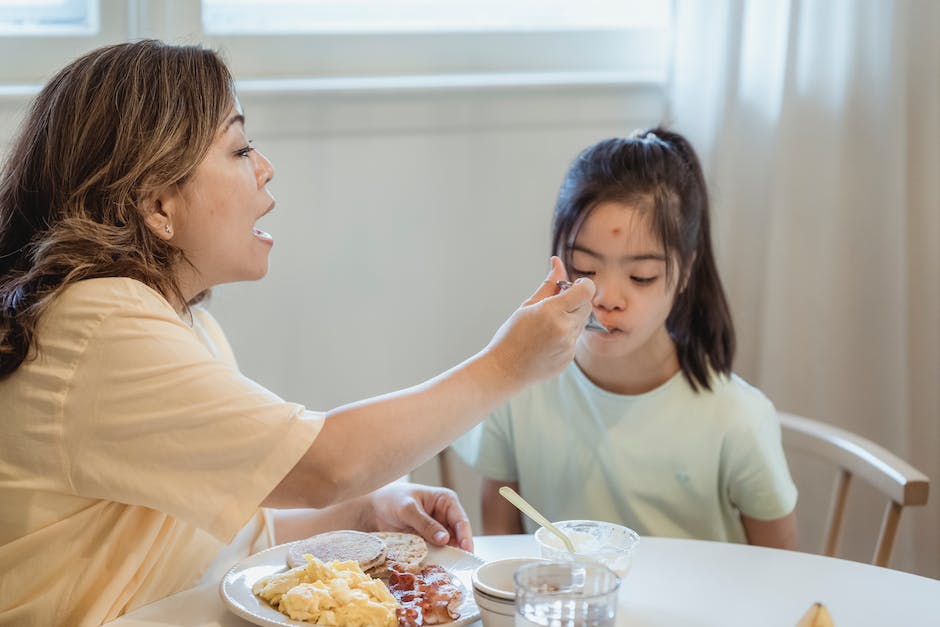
(235, 587)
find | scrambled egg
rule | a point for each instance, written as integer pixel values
(338, 594)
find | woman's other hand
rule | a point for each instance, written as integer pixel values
(433, 513)
(538, 340)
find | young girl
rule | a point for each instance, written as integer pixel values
(648, 427)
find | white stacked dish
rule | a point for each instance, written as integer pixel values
(495, 592)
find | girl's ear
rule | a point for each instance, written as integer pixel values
(160, 209)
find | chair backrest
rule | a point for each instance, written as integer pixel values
(855, 456)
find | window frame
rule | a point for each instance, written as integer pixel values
(44, 11)
(39, 55)
(639, 48)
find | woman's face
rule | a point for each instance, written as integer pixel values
(218, 207)
(617, 250)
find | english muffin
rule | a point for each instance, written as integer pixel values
(367, 549)
(405, 550)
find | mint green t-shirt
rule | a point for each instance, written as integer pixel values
(670, 462)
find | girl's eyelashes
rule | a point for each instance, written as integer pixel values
(639, 280)
(243, 152)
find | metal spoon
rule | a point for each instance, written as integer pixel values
(513, 497)
(592, 323)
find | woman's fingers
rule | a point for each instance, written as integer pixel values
(549, 286)
(574, 300)
(538, 340)
(577, 298)
(434, 513)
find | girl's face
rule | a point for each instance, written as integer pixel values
(218, 209)
(617, 250)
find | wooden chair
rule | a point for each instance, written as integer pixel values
(855, 456)
(443, 470)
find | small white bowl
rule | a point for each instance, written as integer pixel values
(494, 611)
(495, 592)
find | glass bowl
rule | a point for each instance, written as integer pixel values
(595, 540)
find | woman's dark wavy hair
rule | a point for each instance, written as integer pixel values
(106, 132)
(658, 170)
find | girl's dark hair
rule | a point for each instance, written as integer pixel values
(658, 169)
(107, 131)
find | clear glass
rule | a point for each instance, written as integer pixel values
(610, 544)
(566, 594)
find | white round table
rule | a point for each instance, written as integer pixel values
(688, 583)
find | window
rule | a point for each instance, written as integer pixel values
(349, 38)
(37, 37)
(384, 39)
(48, 17)
(412, 16)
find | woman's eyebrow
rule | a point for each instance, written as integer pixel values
(238, 117)
(625, 258)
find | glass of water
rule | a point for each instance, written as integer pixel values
(566, 594)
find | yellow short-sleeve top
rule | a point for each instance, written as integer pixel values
(131, 452)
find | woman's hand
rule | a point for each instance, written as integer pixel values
(538, 340)
(431, 512)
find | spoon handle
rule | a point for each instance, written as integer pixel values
(513, 497)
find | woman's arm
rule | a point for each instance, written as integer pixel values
(780, 533)
(367, 444)
(431, 512)
(499, 515)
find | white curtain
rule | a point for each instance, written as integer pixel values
(818, 122)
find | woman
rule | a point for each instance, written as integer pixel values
(133, 449)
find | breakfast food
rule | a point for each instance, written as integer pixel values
(406, 551)
(366, 549)
(344, 580)
(338, 594)
(427, 597)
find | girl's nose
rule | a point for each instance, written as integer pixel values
(608, 295)
(264, 169)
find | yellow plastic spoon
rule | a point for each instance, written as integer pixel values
(513, 497)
